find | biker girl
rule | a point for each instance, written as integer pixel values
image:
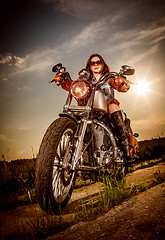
(98, 68)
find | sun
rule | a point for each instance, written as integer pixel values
(142, 88)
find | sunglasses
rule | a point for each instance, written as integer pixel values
(95, 63)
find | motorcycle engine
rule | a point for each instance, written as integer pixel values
(102, 152)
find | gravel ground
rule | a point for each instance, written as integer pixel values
(140, 217)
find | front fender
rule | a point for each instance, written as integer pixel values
(69, 116)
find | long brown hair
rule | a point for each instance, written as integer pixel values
(106, 69)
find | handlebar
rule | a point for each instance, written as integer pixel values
(101, 82)
(105, 78)
(52, 81)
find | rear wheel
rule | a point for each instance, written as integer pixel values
(54, 178)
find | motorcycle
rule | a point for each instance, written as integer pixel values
(82, 139)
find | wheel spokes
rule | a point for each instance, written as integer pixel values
(64, 142)
(62, 177)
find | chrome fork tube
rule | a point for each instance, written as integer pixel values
(111, 136)
(79, 145)
(85, 121)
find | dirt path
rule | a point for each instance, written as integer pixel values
(140, 217)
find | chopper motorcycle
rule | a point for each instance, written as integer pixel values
(81, 139)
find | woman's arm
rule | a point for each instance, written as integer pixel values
(119, 84)
(64, 80)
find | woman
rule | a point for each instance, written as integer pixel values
(97, 68)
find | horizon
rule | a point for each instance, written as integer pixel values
(35, 157)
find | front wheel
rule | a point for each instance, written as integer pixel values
(54, 178)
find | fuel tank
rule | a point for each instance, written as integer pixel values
(99, 102)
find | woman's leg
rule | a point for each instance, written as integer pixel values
(114, 108)
(117, 119)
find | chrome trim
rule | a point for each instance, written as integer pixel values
(111, 137)
(76, 108)
(79, 145)
(99, 103)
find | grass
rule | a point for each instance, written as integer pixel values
(17, 188)
(17, 177)
(38, 228)
(149, 163)
(159, 176)
(41, 225)
(151, 149)
(45, 225)
(112, 194)
(17, 183)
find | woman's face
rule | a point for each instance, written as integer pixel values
(96, 65)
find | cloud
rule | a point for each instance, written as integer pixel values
(5, 59)
(24, 128)
(140, 33)
(148, 128)
(20, 62)
(138, 43)
(74, 7)
(40, 60)
(80, 8)
(149, 122)
(11, 60)
(4, 78)
(89, 34)
(3, 138)
(93, 9)
(145, 38)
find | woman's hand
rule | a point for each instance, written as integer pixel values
(123, 84)
(57, 79)
(120, 84)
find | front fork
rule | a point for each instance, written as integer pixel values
(83, 127)
(80, 137)
(79, 144)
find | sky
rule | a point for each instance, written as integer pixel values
(36, 35)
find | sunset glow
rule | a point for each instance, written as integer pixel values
(142, 88)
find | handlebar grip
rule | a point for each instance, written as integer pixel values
(51, 81)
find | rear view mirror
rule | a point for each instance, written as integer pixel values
(127, 70)
(57, 67)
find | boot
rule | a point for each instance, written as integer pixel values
(118, 123)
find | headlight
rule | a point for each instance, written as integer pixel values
(80, 89)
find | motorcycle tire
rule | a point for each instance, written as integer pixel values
(54, 184)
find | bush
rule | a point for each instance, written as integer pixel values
(151, 149)
(17, 176)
